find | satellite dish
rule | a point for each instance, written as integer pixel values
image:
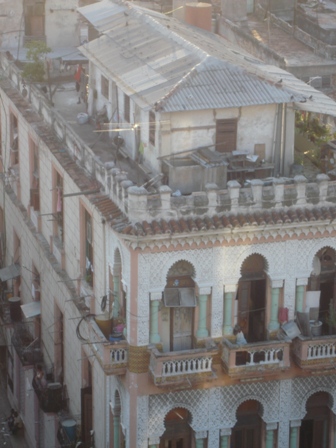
(316, 266)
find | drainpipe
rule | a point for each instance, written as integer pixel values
(282, 139)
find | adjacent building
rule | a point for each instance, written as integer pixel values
(167, 271)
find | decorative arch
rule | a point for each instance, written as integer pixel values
(168, 268)
(242, 400)
(245, 255)
(306, 397)
(189, 271)
(118, 392)
(317, 247)
(176, 257)
(160, 426)
(254, 256)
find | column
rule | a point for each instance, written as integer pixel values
(225, 438)
(116, 428)
(294, 433)
(155, 299)
(274, 321)
(116, 291)
(204, 292)
(229, 295)
(300, 293)
(270, 428)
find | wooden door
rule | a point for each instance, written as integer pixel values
(86, 402)
(245, 438)
(181, 328)
(226, 135)
(243, 306)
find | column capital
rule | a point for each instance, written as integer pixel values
(277, 283)
(230, 287)
(225, 432)
(201, 434)
(204, 289)
(271, 426)
(302, 281)
(154, 439)
(155, 295)
(295, 423)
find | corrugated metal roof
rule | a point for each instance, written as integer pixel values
(163, 62)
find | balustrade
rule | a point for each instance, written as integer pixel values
(175, 367)
(319, 352)
(261, 357)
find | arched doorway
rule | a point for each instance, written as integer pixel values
(252, 298)
(323, 278)
(117, 302)
(247, 431)
(315, 427)
(178, 433)
(177, 315)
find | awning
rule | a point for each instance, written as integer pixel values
(31, 309)
(9, 272)
(179, 297)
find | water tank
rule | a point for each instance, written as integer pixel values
(199, 14)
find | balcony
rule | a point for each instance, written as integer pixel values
(112, 355)
(257, 359)
(26, 346)
(52, 398)
(182, 367)
(315, 353)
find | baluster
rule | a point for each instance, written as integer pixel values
(185, 366)
(251, 358)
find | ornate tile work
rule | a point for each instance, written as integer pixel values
(284, 405)
(303, 388)
(215, 408)
(142, 422)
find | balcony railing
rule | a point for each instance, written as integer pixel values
(52, 397)
(315, 353)
(259, 358)
(112, 355)
(26, 346)
(184, 366)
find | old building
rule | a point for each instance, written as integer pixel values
(295, 35)
(167, 275)
(56, 23)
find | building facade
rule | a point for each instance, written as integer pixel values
(173, 287)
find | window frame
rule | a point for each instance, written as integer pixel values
(152, 127)
(104, 86)
(127, 108)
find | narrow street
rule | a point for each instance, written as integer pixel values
(7, 439)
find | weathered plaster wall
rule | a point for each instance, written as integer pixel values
(11, 23)
(61, 23)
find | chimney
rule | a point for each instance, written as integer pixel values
(199, 14)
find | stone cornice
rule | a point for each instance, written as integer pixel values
(238, 236)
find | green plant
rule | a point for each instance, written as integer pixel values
(310, 126)
(34, 71)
